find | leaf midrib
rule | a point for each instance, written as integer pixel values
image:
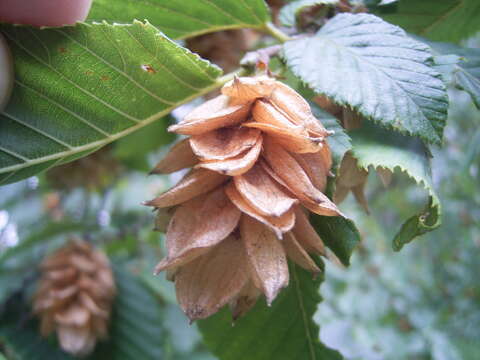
(305, 321)
(74, 150)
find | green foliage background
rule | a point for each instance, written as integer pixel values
(422, 303)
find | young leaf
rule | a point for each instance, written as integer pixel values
(136, 328)
(364, 63)
(289, 13)
(79, 88)
(445, 20)
(379, 148)
(283, 331)
(181, 19)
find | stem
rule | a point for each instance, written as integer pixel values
(222, 80)
(276, 32)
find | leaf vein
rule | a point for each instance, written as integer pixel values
(113, 67)
(132, 118)
(53, 102)
(38, 131)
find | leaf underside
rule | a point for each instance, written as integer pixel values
(376, 147)
(283, 331)
(79, 88)
(180, 19)
(465, 73)
(364, 63)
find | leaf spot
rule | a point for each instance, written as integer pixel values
(148, 68)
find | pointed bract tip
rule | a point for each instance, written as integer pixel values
(172, 128)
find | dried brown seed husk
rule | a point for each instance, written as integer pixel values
(385, 175)
(247, 89)
(224, 143)
(73, 315)
(326, 104)
(78, 305)
(306, 235)
(351, 120)
(326, 155)
(288, 169)
(298, 255)
(212, 280)
(264, 112)
(162, 218)
(315, 168)
(325, 208)
(266, 257)
(179, 157)
(289, 140)
(196, 182)
(212, 114)
(296, 109)
(277, 178)
(351, 177)
(278, 225)
(79, 341)
(263, 193)
(198, 225)
(245, 300)
(237, 165)
(62, 276)
(341, 192)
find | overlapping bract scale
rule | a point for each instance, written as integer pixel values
(74, 297)
(260, 163)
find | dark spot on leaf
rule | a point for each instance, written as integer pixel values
(104, 78)
(148, 68)
(62, 50)
(89, 72)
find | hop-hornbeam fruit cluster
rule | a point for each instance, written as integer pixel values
(74, 296)
(260, 163)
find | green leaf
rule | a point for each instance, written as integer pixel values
(463, 70)
(25, 341)
(364, 63)
(339, 234)
(439, 20)
(133, 149)
(136, 329)
(284, 331)
(339, 141)
(289, 13)
(374, 146)
(180, 19)
(80, 88)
